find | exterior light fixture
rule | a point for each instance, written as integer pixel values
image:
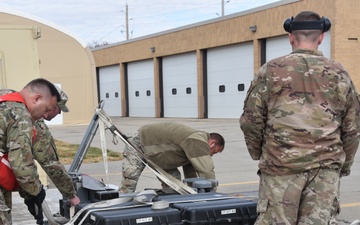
(252, 28)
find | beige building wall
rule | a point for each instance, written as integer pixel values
(63, 60)
(18, 44)
(234, 28)
(346, 37)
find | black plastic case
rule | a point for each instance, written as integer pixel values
(143, 215)
(219, 212)
(201, 209)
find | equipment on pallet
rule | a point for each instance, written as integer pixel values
(102, 204)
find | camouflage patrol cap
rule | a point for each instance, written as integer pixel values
(64, 99)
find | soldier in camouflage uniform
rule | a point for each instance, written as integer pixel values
(171, 145)
(301, 121)
(46, 155)
(33, 102)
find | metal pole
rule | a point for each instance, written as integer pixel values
(222, 8)
(84, 146)
(127, 22)
(86, 141)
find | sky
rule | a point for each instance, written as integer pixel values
(104, 21)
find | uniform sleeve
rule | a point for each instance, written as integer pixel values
(189, 171)
(253, 118)
(350, 130)
(45, 153)
(197, 150)
(19, 143)
(204, 166)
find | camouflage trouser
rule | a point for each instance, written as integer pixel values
(132, 166)
(5, 207)
(307, 198)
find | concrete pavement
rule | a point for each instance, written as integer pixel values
(235, 170)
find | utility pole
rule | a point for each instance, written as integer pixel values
(127, 22)
(222, 8)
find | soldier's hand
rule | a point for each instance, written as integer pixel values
(75, 200)
(34, 206)
(31, 206)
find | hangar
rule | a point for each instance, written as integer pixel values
(31, 47)
(203, 70)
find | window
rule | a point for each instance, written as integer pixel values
(241, 87)
(137, 93)
(222, 88)
(188, 90)
(116, 94)
(107, 95)
(173, 91)
(148, 93)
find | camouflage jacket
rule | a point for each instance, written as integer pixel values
(45, 152)
(171, 145)
(16, 134)
(301, 112)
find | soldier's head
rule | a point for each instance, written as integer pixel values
(59, 107)
(306, 29)
(216, 143)
(41, 97)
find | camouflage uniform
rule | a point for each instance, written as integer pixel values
(16, 134)
(5, 206)
(301, 121)
(169, 145)
(45, 153)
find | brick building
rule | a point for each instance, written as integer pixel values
(203, 70)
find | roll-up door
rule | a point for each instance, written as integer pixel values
(229, 73)
(180, 86)
(141, 88)
(279, 46)
(110, 89)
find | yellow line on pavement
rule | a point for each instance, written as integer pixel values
(350, 205)
(240, 183)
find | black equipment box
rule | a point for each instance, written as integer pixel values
(133, 216)
(220, 212)
(106, 195)
(200, 209)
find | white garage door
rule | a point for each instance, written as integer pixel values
(110, 93)
(279, 46)
(180, 86)
(141, 89)
(230, 70)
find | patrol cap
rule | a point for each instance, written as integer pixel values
(64, 98)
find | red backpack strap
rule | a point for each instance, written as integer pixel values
(16, 97)
(12, 97)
